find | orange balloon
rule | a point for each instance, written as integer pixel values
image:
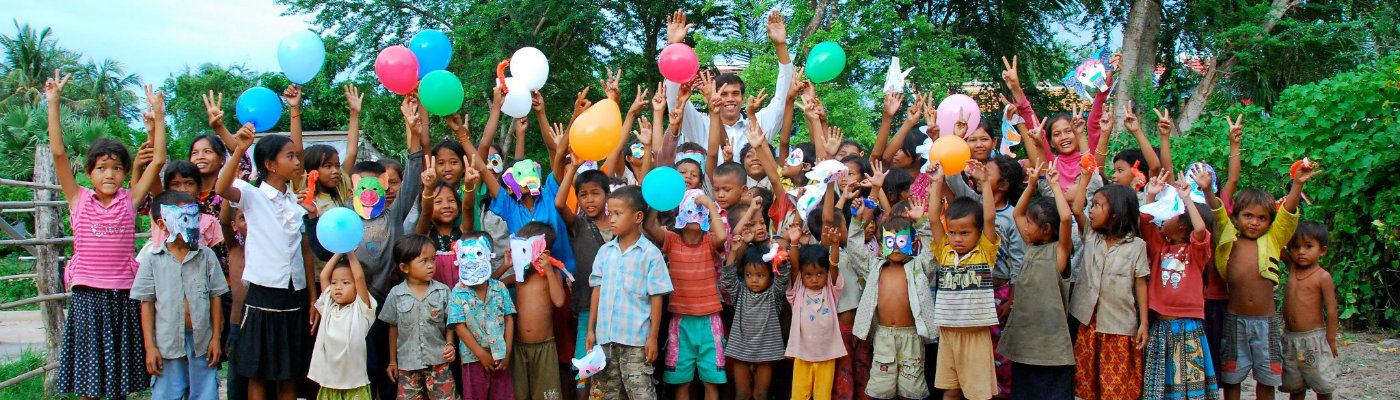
(952, 152)
(595, 133)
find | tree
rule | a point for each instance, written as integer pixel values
(30, 56)
(104, 87)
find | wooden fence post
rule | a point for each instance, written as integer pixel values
(48, 223)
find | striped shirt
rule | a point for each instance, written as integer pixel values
(693, 275)
(756, 334)
(104, 242)
(625, 279)
(965, 285)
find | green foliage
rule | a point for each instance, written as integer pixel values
(29, 389)
(17, 289)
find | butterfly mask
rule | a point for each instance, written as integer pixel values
(901, 240)
(691, 212)
(181, 220)
(369, 196)
(794, 158)
(524, 252)
(523, 176)
(495, 164)
(473, 260)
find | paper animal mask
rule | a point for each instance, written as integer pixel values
(794, 157)
(894, 79)
(524, 252)
(638, 151)
(591, 363)
(473, 260)
(181, 220)
(902, 240)
(691, 212)
(495, 164)
(1091, 75)
(827, 171)
(523, 176)
(369, 196)
(1201, 167)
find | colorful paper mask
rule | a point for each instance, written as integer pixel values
(181, 220)
(473, 260)
(638, 151)
(1201, 167)
(591, 363)
(894, 79)
(1009, 135)
(794, 158)
(369, 196)
(811, 199)
(691, 212)
(902, 240)
(524, 252)
(495, 164)
(697, 157)
(1091, 75)
(523, 176)
(827, 171)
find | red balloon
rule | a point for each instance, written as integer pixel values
(678, 62)
(397, 68)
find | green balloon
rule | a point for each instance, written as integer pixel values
(825, 62)
(440, 92)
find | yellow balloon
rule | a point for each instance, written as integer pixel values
(595, 133)
(952, 152)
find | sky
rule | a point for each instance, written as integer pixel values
(159, 38)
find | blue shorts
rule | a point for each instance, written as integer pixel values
(695, 346)
(186, 377)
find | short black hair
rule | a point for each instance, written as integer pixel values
(215, 144)
(370, 167)
(897, 182)
(697, 166)
(911, 144)
(1044, 213)
(1313, 230)
(182, 168)
(1011, 173)
(753, 255)
(266, 151)
(393, 164)
(809, 152)
(895, 222)
(815, 224)
(690, 146)
(964, 207)
(632, 196)
(1122, 211)
(451, 145)
(1254, 197)
(766, 199)
(318, 155)
(456, 195)
(725, 79)
(1134, 158)
(849, 142)
(536, 228)
(744, 151)
(594, 177)
(170, 198)
(409, 247)
(106, 147)
(733, 169)
(814, 254)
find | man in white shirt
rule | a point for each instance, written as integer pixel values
(695, 127)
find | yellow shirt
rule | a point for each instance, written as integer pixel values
(1271, 244)
(965, 284)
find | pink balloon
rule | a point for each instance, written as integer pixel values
(678, 62)
(397, 68)
(948, 114)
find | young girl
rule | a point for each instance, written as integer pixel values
(442, 204)
(1110, 298)
(814, 340)
(755, 337)
(1036, 339)
(421, 354)
(275, 337)
(103, 350)
(338, 358)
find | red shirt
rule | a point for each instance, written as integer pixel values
(1176, 286)
(694, 275)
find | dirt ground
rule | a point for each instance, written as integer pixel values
(1370, 368)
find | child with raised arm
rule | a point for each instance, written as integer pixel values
(1110, 296)
(814, 338)
(1036, 339)
(420, 349)
(482, 314)
(102, 337)
(589, 229)
(179, 285)
(539, 291)
(347, 310)
(756, 280)
(629, 277)
(1309, 357)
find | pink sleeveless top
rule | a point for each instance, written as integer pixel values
(104, 242)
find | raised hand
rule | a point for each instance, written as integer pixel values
(155, 101)
(581, 102)
(1077, 118)
(1036, 133)
(960, 127)
(674, 118)
(470, 176)
(520, 124)
(1052, 172)
(610, 87)
(429, 174)
(834, 136)
(354, 98)
(639, 102)
(915, 111)
(498, 98)
(658, 101)
(1033, 173)
(409, 108)
(1236, 129)
(144, 154)
(1130, 120)
(1106, 121)
(777, 29)
(1156, 184)
(458, 124)
(557, 132)
(214, 107)
(935, 173)
(756, 136)
(755, 102)
(892, 103)
(643, 133)
(537, 102)
(975, 169)
(243, 139)
(676, 28)
(1183, 186)
(793, 233)
(1203, 180)
(1010, 75)
(878, 174)
(1164, 122)
(292, 94)
(53, 87)
(799, 83)
(1307, 171)
(728, 150)
(917, 208)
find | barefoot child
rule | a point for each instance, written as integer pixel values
(1309, 358)
(539, 291)
(1110, 297)
(347, 310)
(420, 351)
(1036, 339)
(589, 229)
(755, 338)
(483, 316)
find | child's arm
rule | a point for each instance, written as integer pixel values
(488, 134)
(887, 112)
(393, 369)
(1106, 121)
(224, 186)
(759, 142)
(1183, 189)
(650, 348)
(911, 118)
(361, 288)
(935, 204)
(1165, 126)
(355, 101)
(589, 339)
(53, 90)
(1140, 293)
(651, 227)
(646, 137)
(325, 277)
(718, 234)
(537, 105)
(1064, 248)
(1130, 121)
(1076, 196)
(154, 363)
(292, 94)
(616, 159)
(214, 107)
(1329, 304)
(1033, 138)
(425, 209)
(561, 201)
(555, 286)
(520, 125)
(1295, 192)
(560, 137)
(411, 121)
(1232, 179)
(470, 178)
(1023, 222)
(150, 176)
(493, 183)
(718, 137)
(502, 363)
(989, 212)
(483, 356)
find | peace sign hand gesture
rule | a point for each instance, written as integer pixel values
(1164, 122)
(1236, 129)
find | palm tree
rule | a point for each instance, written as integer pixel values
(104, 93)
(30, 57)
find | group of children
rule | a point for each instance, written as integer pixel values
(851, 275)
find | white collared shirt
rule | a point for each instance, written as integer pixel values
(274, 218)
(696, 125)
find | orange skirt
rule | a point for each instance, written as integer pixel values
(1106, 367)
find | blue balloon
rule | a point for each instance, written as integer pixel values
(663, 188)
(260, 106)
(340, 230)
(432, 49)
(301, 54)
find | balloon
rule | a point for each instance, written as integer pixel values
(952, 152)
(397, 69)
(948, 113)
(340, 230)
(678, 62)
(825, 62)
(432, 49)
(260, 106)
(595, 133)
(663, 188)
(517, 101)
(530, 65)
(301, 54)
(440, 92)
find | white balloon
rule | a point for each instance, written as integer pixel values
(530, 65)
(517, 101)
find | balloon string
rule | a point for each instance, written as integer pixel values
(501, 75)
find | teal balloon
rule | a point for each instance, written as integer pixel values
(440, 92)
(340, 230)
(663, 188)
(300, 55)
(433, 50)
(259, 106)
(825, 62)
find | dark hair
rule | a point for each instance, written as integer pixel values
(450, 189)
(766, 195)
(911, 144)
(478, 234)
(689, 147)
(849, 142)
(895, 222)
(630, 195)
(744, 151)
(733, 169)
(536, 228)
(106, 147)
(180, 168)
(814, 254)
(373, 167)
(409, 247)
(1313, 230)
(964, 207)
(753, 255)
(1254, 197)
(170, 198)
(1056, 117)
(1122, 211)
(1045, 214)
(862, 169)
(1207, 217)
(318, 155)
(736, 212)
(897, 181)
(393, 164)
(697, 166)
(451, 145)
(594, 177)
(215, 144)
(725, 79)
(1011, 173)
(266, 150)
(1134, 158)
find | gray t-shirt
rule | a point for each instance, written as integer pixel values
(376, 252)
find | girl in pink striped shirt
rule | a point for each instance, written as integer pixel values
(103, 352)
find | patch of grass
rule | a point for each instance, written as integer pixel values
(29, 389)
(17, 289)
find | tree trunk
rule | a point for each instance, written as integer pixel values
(1139, 52)
(818, 21)
(1221, 67)
(48, 223)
